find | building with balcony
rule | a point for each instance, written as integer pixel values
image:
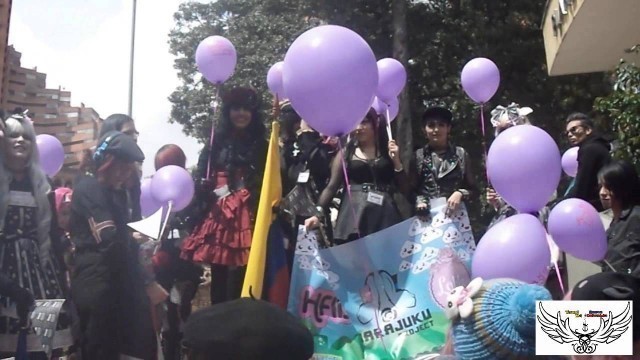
(584, 36)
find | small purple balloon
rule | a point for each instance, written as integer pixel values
(576, 228)
(216, 59)
(381, 108)
(480, 79)
(523, 166)
(51, 154)
(392, 77)
(332, 65)
(515, 248)
(148, 204)
(274, 80)
(173, 183)
(570, 161)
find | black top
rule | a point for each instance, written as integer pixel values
(593, 154)
(307, 152)
(623, 237)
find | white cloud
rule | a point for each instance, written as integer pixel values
(94, 64)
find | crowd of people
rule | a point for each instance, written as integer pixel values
(73, 242)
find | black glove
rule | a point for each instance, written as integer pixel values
(24, 303)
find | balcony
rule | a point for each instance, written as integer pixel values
(585, 36)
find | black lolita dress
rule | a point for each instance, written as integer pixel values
(20, 261)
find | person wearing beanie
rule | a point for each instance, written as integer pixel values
(611, 286)
(441, 169)
(246, 329)
(107, 284)
(494, 319)
(230, 172)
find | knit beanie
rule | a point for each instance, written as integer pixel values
(495, 319)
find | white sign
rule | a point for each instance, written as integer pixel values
(584, 328)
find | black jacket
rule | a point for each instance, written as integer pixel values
(594, 153)
(623, 237)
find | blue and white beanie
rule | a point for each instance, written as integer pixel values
(495, 319)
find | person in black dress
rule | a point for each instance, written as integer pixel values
(375, 173)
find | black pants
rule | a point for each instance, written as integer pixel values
(226, 283)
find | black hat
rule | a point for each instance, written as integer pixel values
(247, 329)
(611, 286)
(437, 113)
(241, 97)
(120, 145)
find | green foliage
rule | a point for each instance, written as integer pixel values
(622, 107)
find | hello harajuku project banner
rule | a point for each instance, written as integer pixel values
(382, 296)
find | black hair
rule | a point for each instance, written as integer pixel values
(584, 119)
(621, 178)
(289, 119)
(381, 137)
(114, 122)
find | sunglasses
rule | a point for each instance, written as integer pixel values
(574, 130)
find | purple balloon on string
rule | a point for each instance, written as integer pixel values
(515, 248)
(570, 161)
(51, 154)
(330, 65)
(274, 80)
(480, 79)
(216, 59)
(392, 77)
(173, 183)
(381, 108)
(148, 204)
(524, 168)
(576, 228)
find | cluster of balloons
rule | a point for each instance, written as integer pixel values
(51, 154)
(170, 185)
(524, 166)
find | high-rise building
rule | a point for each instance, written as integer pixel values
(76, 127)
(5, 16)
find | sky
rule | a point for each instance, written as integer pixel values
(84, 46)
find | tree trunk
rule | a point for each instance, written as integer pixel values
(403, 126)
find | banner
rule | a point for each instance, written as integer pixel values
(382, 296)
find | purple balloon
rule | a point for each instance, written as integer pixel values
(274, 80)
(51, 154)
(480, 79)
(523, 166)
(570, 161)
(216, 59)
(173, 183)
(392, 78)
(148, 204)
(330, 65)
(381, 108)
(515, 248)
(576, 228)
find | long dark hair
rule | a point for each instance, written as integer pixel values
(381, 138)
(621, 178)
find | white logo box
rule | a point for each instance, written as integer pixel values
(584, 327)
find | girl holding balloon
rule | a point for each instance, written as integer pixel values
(375, 172)
(232, 174)
(441, 169)
(25, 223)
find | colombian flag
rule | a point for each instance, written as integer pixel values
(269, 197)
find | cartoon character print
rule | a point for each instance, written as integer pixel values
(405, 265)
(451, 235)
(304, 262)
(447, 273)
(417, 227)
(409, 248)
(307, 243)
(462, 221)
(427, 259)
(381, 297)
(431, 234)
(319, 264)
(441, 220)
(331, 277)
(459, 301)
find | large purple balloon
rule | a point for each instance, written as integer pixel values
(392, 77)
(570, 161)
(216, 59)
(148, 204)
(274, 80)
(381, 108)
(480, 79)
(330, 65)
(173, 183)
(51, 154)
(515, 248)
(576, 228)
(523, 166)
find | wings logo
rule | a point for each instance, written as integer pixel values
(593, 328)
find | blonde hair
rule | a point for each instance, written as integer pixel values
(40, 184)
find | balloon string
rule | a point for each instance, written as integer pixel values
(609, 265)
(389, 125)
(555, 265)
(348, 186)
(484, 138)
(166, 219)
(214, 106)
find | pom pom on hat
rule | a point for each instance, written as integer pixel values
(502, 323)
